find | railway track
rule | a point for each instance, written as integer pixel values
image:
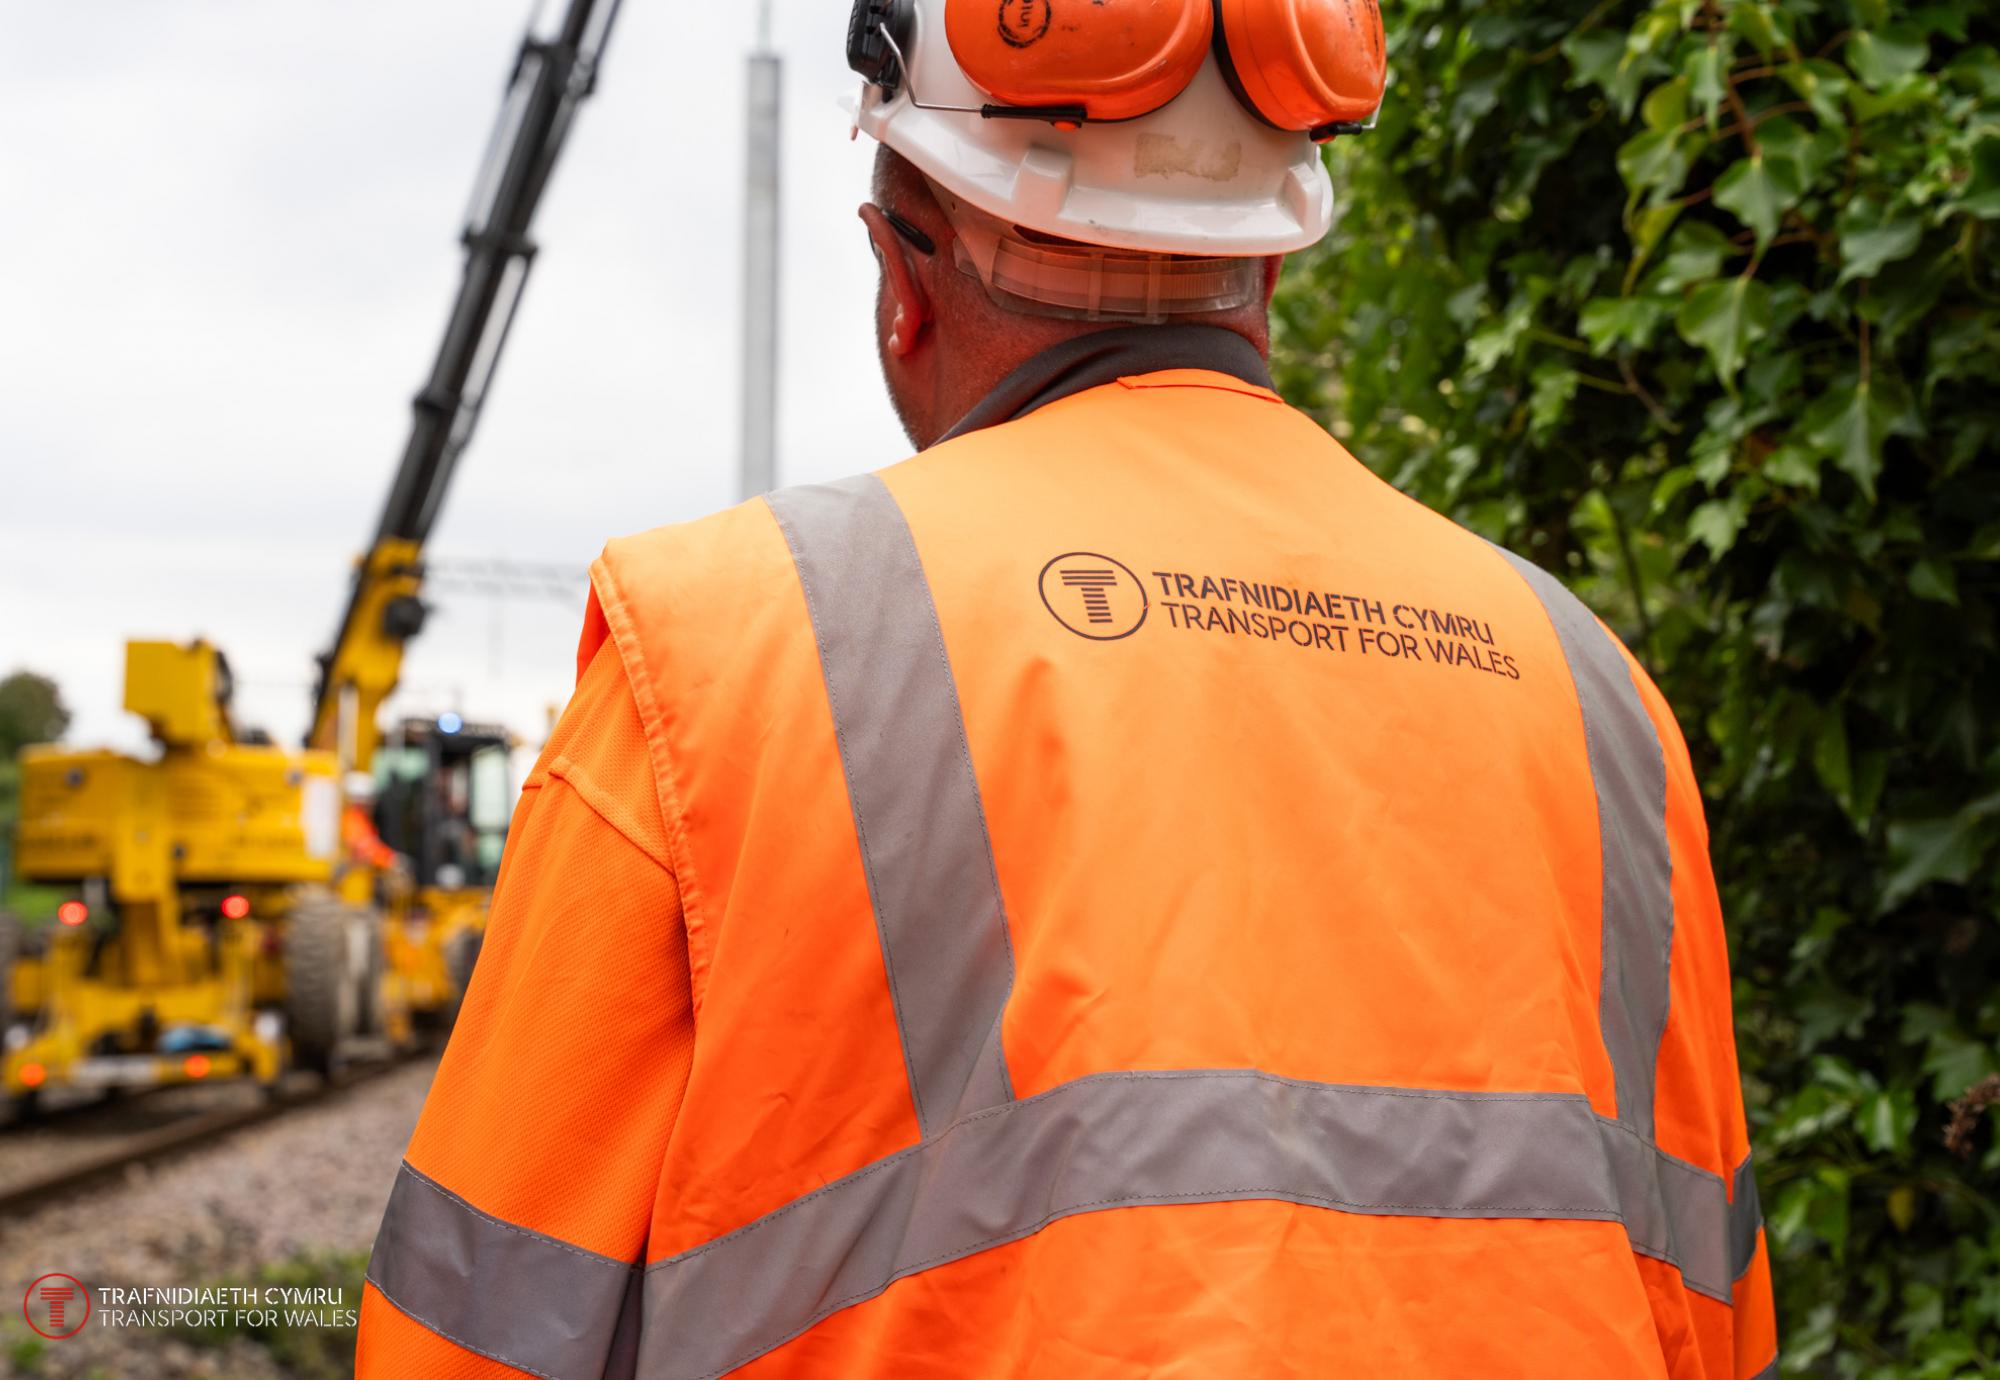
(114, 1154)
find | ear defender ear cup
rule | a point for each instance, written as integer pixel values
(1303, 64)
(1118, 59)
(868, 52)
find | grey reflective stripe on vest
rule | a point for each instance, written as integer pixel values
(513, 1295)
(1109, 1141)
(1140, 1139)
(989, 1169)
(1630, 774)
(1746, 1219)
(916, 802)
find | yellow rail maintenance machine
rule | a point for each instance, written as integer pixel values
(238, 908)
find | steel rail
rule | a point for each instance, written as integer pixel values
(164, 1143)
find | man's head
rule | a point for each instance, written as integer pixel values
(1142, 161)
(944, 340)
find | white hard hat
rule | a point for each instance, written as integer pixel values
(1210, 172)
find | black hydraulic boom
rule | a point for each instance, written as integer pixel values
(551, 78)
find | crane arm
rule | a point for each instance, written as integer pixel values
(551, 79)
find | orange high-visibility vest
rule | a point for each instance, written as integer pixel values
(1159, 903)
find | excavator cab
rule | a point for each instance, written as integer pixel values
(443, 796)
(443, 800)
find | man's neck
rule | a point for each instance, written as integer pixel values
(1095, 358)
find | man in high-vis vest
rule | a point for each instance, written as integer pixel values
(1124, 893)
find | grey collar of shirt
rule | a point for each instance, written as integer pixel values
(1091, 361)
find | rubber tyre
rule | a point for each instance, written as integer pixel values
(461, 956)
(10, 952)
(322, 997)
(372, 1008)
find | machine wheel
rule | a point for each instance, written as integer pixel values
(372, 1014)
(10, 951)
(461, 956)
(322, 993)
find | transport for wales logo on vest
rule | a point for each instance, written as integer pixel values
(1094, 596)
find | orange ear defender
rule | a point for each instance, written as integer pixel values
(1117, 60)
(1314, 66)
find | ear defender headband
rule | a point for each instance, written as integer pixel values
(1312, 66)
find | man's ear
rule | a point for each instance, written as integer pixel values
(910, 299)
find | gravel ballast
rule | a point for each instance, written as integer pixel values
(313, 1182)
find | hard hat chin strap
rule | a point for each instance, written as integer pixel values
(1087, 283)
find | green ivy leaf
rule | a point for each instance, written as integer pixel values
(1717, 523)
(1658, 161)
(1759, 190)
(1646, 225)
(1598, 57)
(1703, 73)
(1850, 424)
(1665, 108)
(1756, 22)
(1936, 580)
(1871, 237)
(1886, 1120)
(1611, 321)
(1982, 193)
(1726, 318)
(1882, 56)
(1554, 386)
(1830, 758)
(1946, 849)
(1821, 85)
(1495, 341)
(1794, 467)
(1695, 254)
(1955, 1062)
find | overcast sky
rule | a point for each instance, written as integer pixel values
(228, 240)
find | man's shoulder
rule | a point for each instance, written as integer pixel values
(685, 558)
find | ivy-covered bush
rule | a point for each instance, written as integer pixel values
(1698, 304)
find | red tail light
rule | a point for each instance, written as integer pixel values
(236, 907)
(196, 1066)
(72, 913)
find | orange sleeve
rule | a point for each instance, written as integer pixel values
(1699, 1097)
(567, 1067)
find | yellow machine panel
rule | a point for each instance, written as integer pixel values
(231, 814)
(182, 692)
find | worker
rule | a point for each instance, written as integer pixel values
(361, 843)
(1123, 893)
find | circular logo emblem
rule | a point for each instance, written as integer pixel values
(56, 1307)
(1094, 596)
(1024, 22)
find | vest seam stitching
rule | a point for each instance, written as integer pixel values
(1131, 384)
(624, 636)
(601, 803)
